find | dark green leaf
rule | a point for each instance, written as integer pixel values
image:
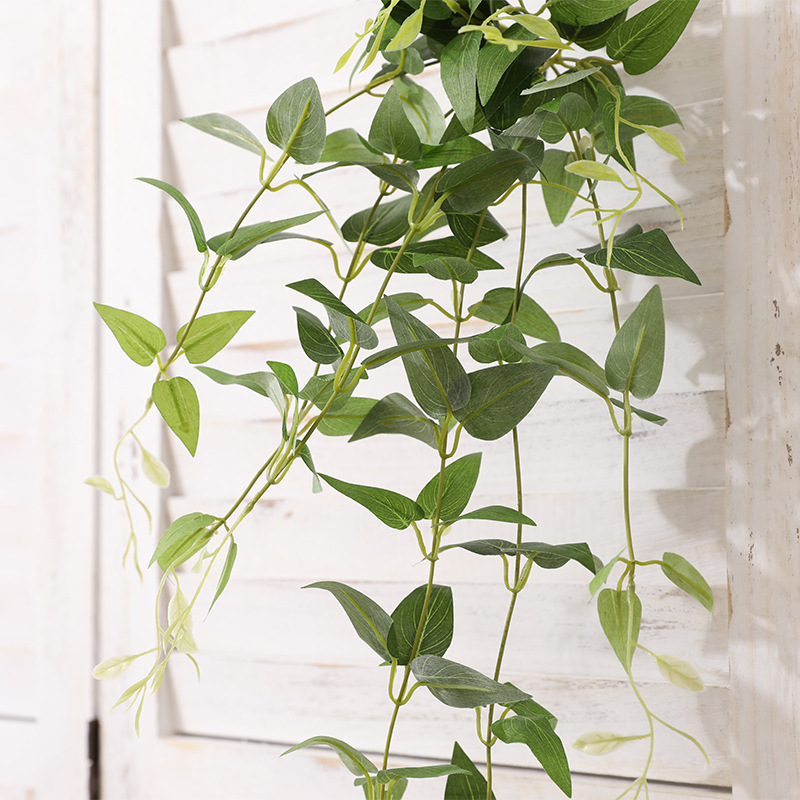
(437, 379)
(401, 176)
(227, 129)
(395, 414)
(571, 361)
(501, 397)
(553, 556)
(645, 415)
(349, 146)
(475, 229)
(311, 287)
(459, 71)
(432, 771)
(494, 345)
(410, 58)
(559, 200)
(468, 786)
(385, 225)
(353, 759)
(421, 110)
(305, 456)
(631, 233)
(572, 114)
(590, 37)
(319, 390)
(209, 334)
(459, 686)
(410, 301)
(230, 560)
(140, 340)
(383, 357)
(263, 383)
(447, 268)
(449, 246)
(452, 152)
(346, 420)
(531, 318)
(391, 132)
(586, 12)
(389, 507)
(370, 621)
(643, 40)
(473, 185)
(496, 514)
(296, 122)
(458, 484)
(645, 110)
(650, 254)
(315, 340)
(567, 79)
(614, 610)
(438, 628)
(635, 360)
(194, 220)
(485, 547)
(530, 708)
(248, 236)
(544, 743)
(177, 403)
(493, 61)
(186, 536)
(687, 578)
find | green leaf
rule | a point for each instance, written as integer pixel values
(449, 246)
(319, 390)
(530, 708)
(364, 335)
(473, 185)
(593, 170)
(389, 507)
(315, 340)
(567, 79)
(249, 236)
(613, 608)
(646, 415)
(385, 225)
(262, 383)
(544, 743)
(305, 456)
(598, 743)
(643, 40)
(410, 301)
(401, 176)
(494, 344)
(602, 574)
(571, 361)
(225, 576)
(349, 146)
(496, 514)
(590, 37)
(558, 200)
(438, 628)
(209, 334)
(553, 556)
(678, 672)
(531, 318)
(194, 219)
(458, 484)
(391, 132)
(227, 129)
(437, 379)
(407, 33)
(666, 141)
(101, 483)
(452, 152)
(432, 771)
(501, 397)
(353, 759)
(570, 112)
(369, 620)
(296, 122)
(635, 359)
(447, 268)
(186, 536)
(422, 110)
(587, 12)
(396, 414)
(346, 420)
(155, 469)
(140, 340)
(286, 376)
(649, 254)
(469, 785)
(459, 71)
(177, 403)
(474, 229)
(460, 686)
(493, 61)
(687, 578)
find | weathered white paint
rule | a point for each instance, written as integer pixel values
(762, 250)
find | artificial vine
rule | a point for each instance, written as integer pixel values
(519, 83)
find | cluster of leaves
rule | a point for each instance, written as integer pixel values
(530, 105)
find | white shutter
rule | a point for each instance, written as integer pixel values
(280, 664)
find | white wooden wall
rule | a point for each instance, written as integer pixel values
(264, 686)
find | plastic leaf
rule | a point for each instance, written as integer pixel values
(179, 615)
(391, 132)
(598, 743)
(209, 334)
(593, 170)
(666, 141)
(296, 122)
(459, 69)
(353, 759)
(186, 536)
(227, 129)
(154, 469)
(249, 236)
(194, 219)
(469, 785)
(101, 483)
(679, 672)
(139, 338)
(438, 628)
(614, 609)
(315, 340)
(177, 402)
(112, 667)
(458, 483)
(396, 414)
(687, 578)
(225, 576)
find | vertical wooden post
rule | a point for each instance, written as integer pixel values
(762, 163)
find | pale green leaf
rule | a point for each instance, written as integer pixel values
(227, 129)
(666, 141)
(101, 483)
(598, 743)
(155, 470)
(593, 170)
(139, 338)
(679, 672)
(688, 578)
(176, 400)
(210, 333)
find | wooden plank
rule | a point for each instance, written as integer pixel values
(763, 377)
(22, 770)
(287, 703)
(195, 768)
